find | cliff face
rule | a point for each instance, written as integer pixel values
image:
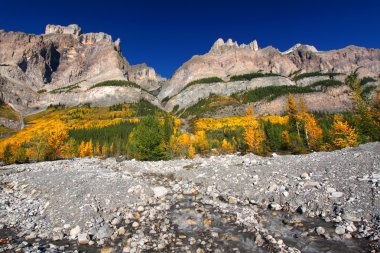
(227, 59)
(62, 56)
(33, 67)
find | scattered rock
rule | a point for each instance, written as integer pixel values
(74, 232)
(320, 230)
(340, 230)
(160, 191)
(83, 238)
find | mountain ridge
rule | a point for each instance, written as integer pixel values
(33, 67)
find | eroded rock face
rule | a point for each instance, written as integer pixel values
(57, 29)
(31, 66)
(62, 56)
(229, 58)
(145, 76)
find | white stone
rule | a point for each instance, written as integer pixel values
(83, 238)
(340, 230)
(337, 194)
(160, 191)
(74, 232)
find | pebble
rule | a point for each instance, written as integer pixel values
(340, 230)
(160, 191)
(275, 206)
(74, 232)
(83, 239)
(320, 230)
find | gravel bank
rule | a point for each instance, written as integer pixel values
(202, 205)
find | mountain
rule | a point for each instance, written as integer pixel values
(229, 60)
(66, 66)
(61, 65)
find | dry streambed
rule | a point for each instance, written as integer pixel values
(321, 202)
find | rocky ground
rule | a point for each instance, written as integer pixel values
(320, 202)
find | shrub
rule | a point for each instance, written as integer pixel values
(324, 84)
(269, 93)
(146, 140)
(313, 74)
(367, 79)
(212, 79)
(250, 76)
(118, 83)
(66, 89)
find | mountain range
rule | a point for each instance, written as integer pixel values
(66, 66)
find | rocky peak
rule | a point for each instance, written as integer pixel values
(220, 45)
(57, 29)
(91, 38)
(301, 47)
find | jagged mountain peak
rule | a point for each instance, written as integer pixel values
(220, 45)
(301, 47)
(73, 29)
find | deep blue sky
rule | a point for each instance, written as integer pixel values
(165, 34)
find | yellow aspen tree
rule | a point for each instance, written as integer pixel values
(254, 136)
(97, 151)
(191, 152)
(249, 111)
(89, 148)
(227, 147)
(82, 149)
(343, 134)
(111, 149)
(57, 140)
(183, 141)
(200, 141)
(313, 132)
(293, 114)
(104, 151)
(285, 139)
(302, 105)
(70, 150)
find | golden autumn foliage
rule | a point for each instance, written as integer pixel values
(56, 140)
(200, 142)
(191, 152)
(205, 124)
(313, 132)
(285, 139)
(227, 147)
(179, 145)
(343, 134)
(254, 136)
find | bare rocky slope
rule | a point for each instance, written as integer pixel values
(61, 65)
(31, 66)
(227, 59)
(320, 202)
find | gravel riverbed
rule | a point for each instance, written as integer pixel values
(319, 202)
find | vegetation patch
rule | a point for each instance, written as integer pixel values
(208, 105)
(5, 131)
(314, 74)
(269, 93)
(212, 79)
(250, 76)
(41, 91)
(324, 84)
(7, 112)
(367, 79)
(105, 136)
(65, 89)
(367, 90)
(117, 83)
